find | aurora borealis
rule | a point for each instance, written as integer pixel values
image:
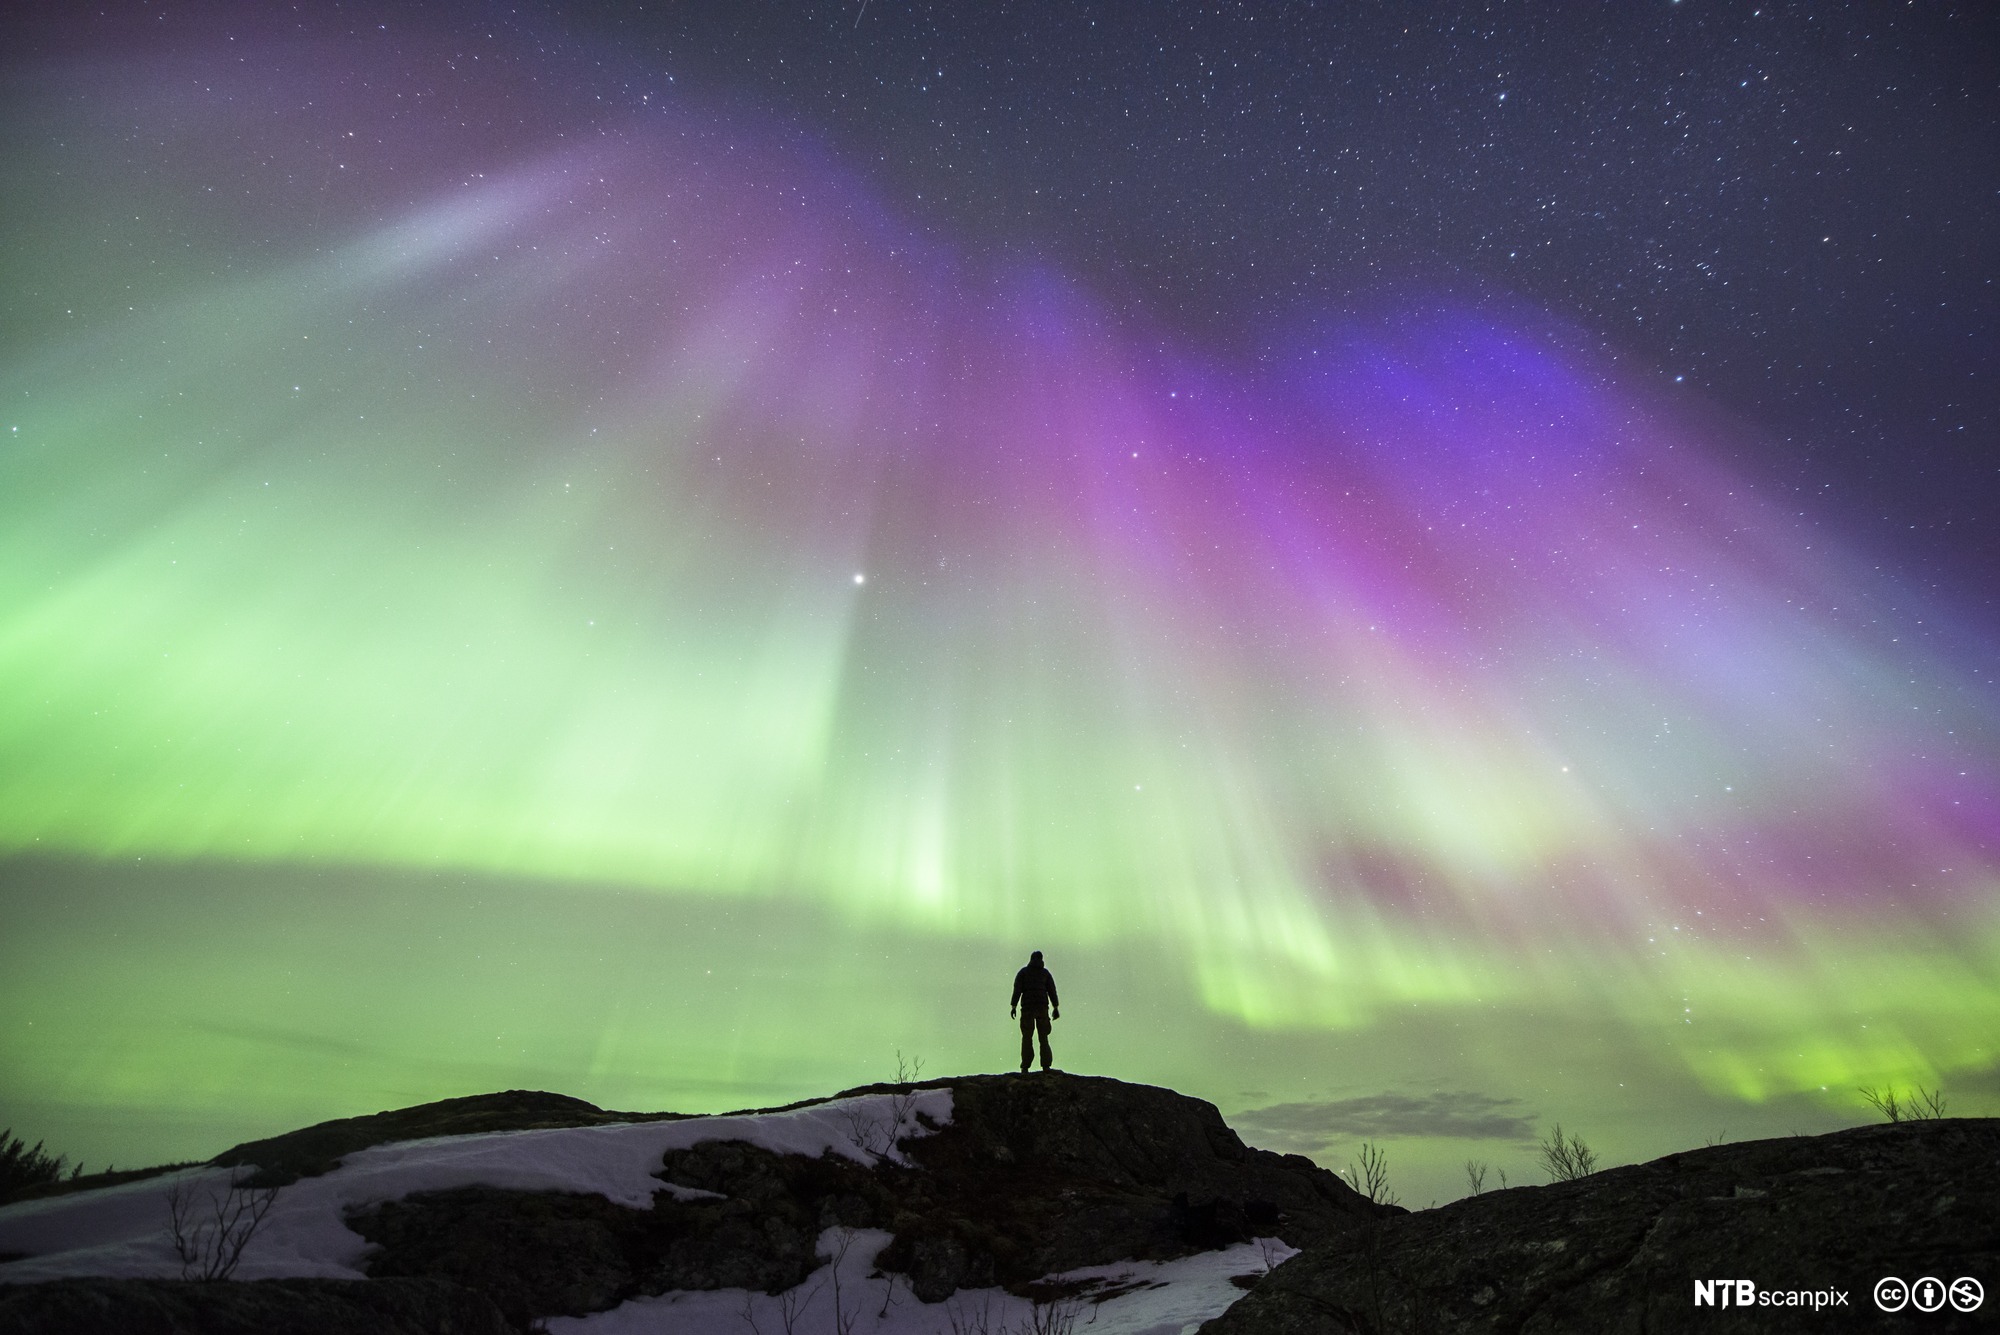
(500, 587)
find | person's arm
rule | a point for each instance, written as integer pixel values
(1014, 1002)
(1055, 1002)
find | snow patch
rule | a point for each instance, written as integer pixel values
(1148, 1298)
(122, 1230)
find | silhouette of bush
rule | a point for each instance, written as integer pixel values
(1567, 1159)
(211, 1228)
(1370, 1176)
(22, 1166)
(1919, 1105)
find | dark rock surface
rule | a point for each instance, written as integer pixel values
(316, 1149)
(1050, 1172)
(1619, 1251)
(545, 1253)
(263, 1307)
(1032, 1175)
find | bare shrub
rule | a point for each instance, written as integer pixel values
(1053, 1316)
(968, 1320)
(1370, 1175)
(1475, 1176)
(1884, 1101)
(843, 1320)
(1567, 1158)
(211, 1228)
(874, 1135)
(792, 1304)
(903, 1103)
(1921, 1105)
(1926, 1105)
(866, 1131)
(890, 1279)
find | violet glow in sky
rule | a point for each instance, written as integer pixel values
(655, 514)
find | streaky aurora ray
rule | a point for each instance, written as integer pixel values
(656, 511)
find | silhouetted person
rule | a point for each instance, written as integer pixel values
(1034, 996)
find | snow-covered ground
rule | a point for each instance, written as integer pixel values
(123, 1230)
(1146, 1298)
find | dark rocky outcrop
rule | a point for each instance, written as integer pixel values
(261, 1307)
(1032, 1175)
(316, 1149)
(546, 1253)
(1619, 1251)
(1052, 1172)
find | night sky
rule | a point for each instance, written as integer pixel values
(1438, 560)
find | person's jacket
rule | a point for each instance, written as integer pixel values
(1035, 988)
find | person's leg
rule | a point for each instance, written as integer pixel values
(1027, 1038)
(1042, 1027)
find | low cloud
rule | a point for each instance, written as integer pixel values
(1308, 1126)
(1985, 1081)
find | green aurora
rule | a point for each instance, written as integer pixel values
(571, 618)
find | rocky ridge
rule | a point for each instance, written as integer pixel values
(1620, 1251)
(1031, 1176)
(1041, 1174)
